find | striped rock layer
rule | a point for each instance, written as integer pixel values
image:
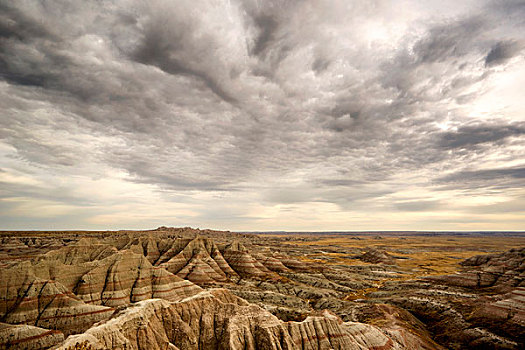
(18, 337)
(245, 264)
(201, 262)
(481, 307)
(507, 312)
(127, 277)
(502, 272)
(45, 303)
(272, 263)
(138, 292)
(72, 288)
(216, 319)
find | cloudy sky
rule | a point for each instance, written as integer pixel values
(262, 115)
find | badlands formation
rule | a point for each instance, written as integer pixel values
(200, 289)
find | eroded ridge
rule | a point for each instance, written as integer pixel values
(193, 289)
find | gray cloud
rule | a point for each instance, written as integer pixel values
(472, 136)
(486, 178)
(327, 102)
(418, 205)
(169, 42)
(502, 52)
(16, 24)
(449, 40)
(267, 27)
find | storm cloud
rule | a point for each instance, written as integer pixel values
(255, 115)
(502, 52)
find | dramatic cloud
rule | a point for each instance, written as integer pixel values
(469, 136)
(257, 115)
(502, 52)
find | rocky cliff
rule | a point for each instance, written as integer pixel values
(216, 319)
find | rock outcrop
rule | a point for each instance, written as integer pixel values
(158, 290)
(480, 307)
(502, 272)
(71, 288)
(27, 299)
(127, 277)
(244, 264)
(216, 319)
(376, 256)
(19, 337)
(201, 262)
(272, 263)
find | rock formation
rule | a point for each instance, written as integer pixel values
(215, 319)
(27, 299)
(244, 264)
(127, 277)
(376, 256)
(159, 290)
(17, 337)
(480, 307)
(201, 262)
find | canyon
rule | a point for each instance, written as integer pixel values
(184, 288)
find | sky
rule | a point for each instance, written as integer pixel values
(247, 115)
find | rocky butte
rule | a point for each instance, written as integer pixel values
(182, 288)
